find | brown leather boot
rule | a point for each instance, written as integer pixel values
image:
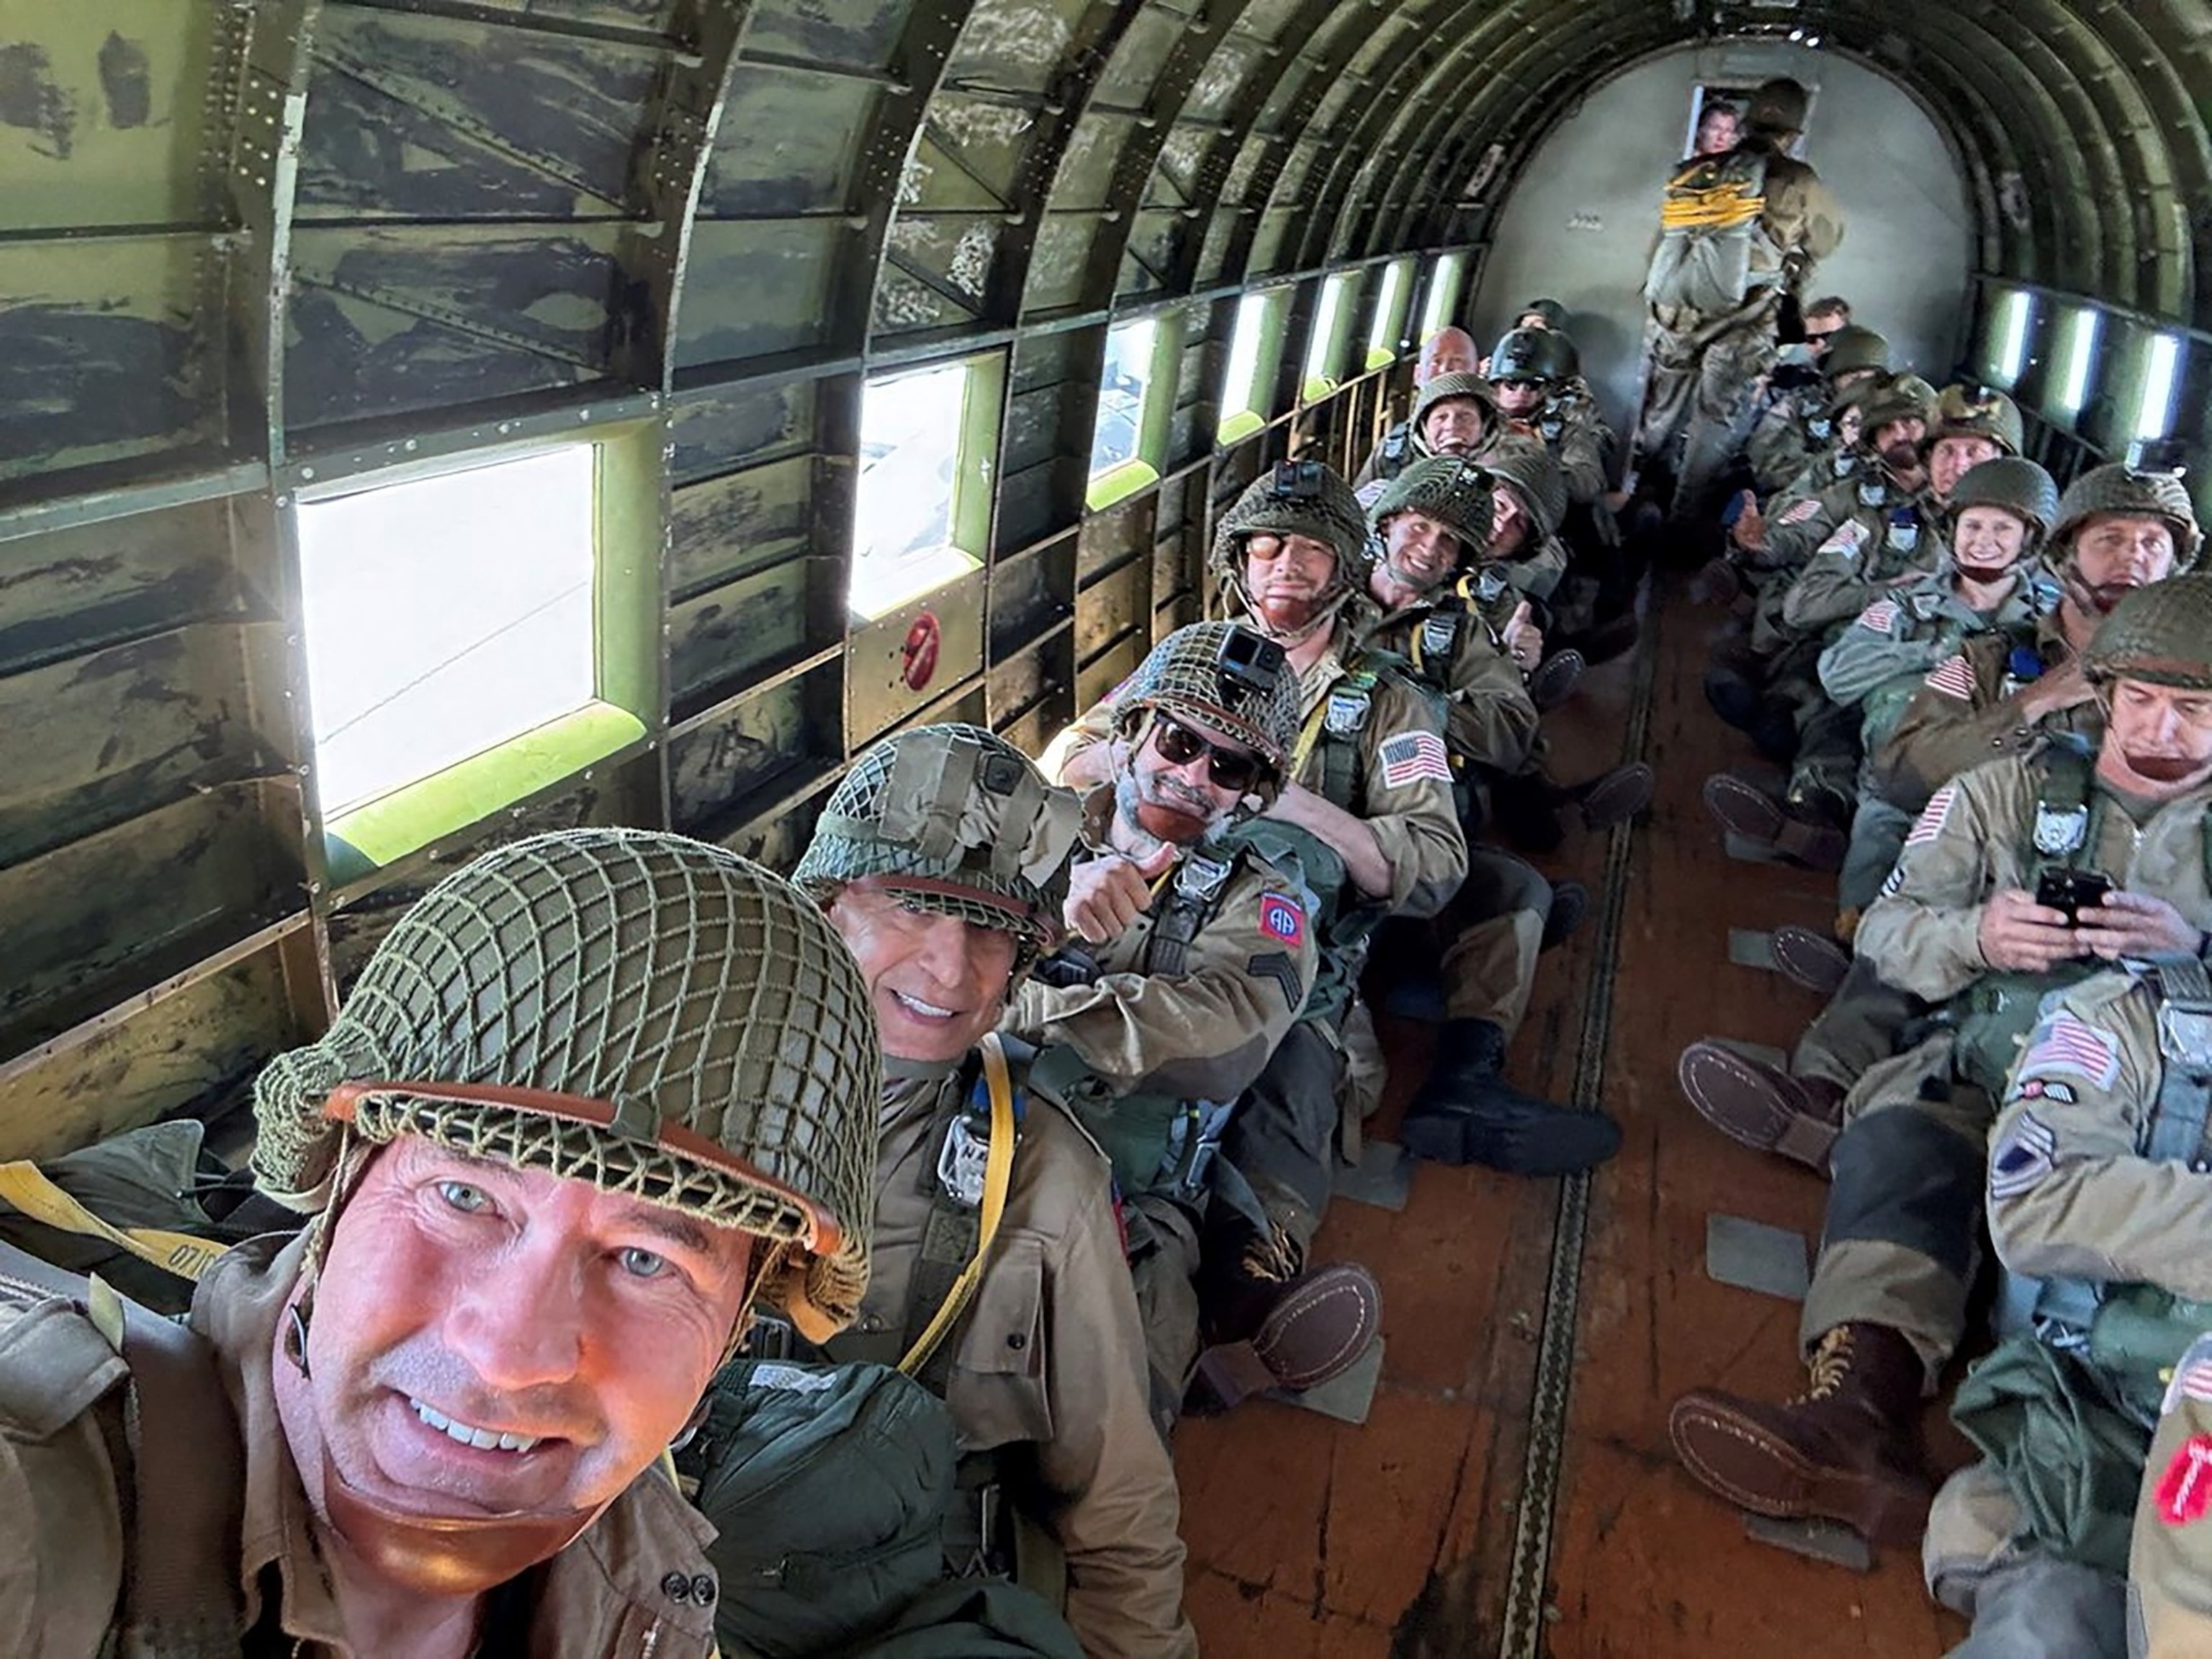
(1843, 1450)
(1275, 1322)
(1804, 832)
(1760, 1106)
(1811, 960)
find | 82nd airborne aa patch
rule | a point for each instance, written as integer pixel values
(1279, 918)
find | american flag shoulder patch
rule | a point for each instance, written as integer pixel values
(1954, 679)
(2064, 1044)
(1804, 510)
(2192, 1377)
(1845, 539)
(2023, 1156)
(1933, 816)
(1881, 616)
(1411, 756)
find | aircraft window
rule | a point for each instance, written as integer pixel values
(1133, 390)
(1325, 346)
(446, 617)
(921, 509)
(1391, 305)
(1254, 350)
(2080, 354)
(2161, 373)
(2013, 318)
(1442, 305)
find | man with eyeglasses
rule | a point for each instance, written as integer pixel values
(1193, 956)
(1365, 814)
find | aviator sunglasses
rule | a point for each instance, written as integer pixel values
(1230, 769)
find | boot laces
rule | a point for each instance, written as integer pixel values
(1830, 1364)
(1272, 1257)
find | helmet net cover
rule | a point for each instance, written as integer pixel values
(1974, 412)
(2018, 486)
(685, 987)
(1906, 397)
(2161, 632)
(1223, 675)
(2117, 489)
(959, 821)
(1442, 388)
(1529, 468)
(1456, 494)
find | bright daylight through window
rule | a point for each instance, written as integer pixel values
(905, 528)
(1389, 314)
(1119, 435)
(1324, 344)
(1443, 301)
(2080, 351)
(2012, 350)
(2155, 413)
(1243, 410)
(446, 615)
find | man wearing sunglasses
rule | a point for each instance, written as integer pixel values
(1196, 957)
(596, 1095)
(942, 861)
(1365, 815)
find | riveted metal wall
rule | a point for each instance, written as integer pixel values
(249, 245)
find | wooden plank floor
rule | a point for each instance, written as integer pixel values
(1314, 1538)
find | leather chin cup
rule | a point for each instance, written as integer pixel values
(442, 1556)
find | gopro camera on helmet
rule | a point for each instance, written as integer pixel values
(1299, 481)
(2158, 455)
(1249, 664)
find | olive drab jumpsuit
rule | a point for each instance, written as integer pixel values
(1046, 1363)
(1493, 930)
(1900, 1241)
(1876, 665)
(1859, 1027)
(1703, 366)
(1372, 744)
(1967, 711)
(1180, 1017)
(2098, 1206)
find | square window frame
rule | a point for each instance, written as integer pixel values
(1155, 418)
(983, 413)
(1386, 328)
(1252, 415)
(628, 689)
(1320, 375)
(1443, 291)
(2001, 304)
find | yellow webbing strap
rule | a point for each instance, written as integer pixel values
(998, 1176)
(1309, 735)
(1722, 207)
(26, 1187)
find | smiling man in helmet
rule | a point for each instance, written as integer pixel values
(1195, 958)
(597, 1094)
(1365, 813)
(942, 859)
(1454, 414)
(2021, 878)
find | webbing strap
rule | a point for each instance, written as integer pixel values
(29, 1190)
(187, 1474)
(2185, 1093)
(997, 1177)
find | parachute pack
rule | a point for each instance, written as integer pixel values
(1709, 222)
